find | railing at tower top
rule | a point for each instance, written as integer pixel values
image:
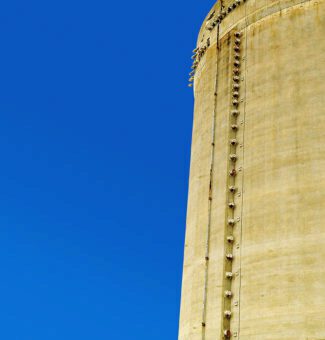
(214, 20)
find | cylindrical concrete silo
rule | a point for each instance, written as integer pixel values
(254, 266)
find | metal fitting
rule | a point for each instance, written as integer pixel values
(237, 34)
(234, 127)
(235, 94)
(228, 294)
(229, 257)
(227, 334)
(235, 113)
(233, 172)
(229, 275)
(231, 205)
(233, 142)
(235, 102)
(230, 239)
(232, 189)
(236, 71)
(227, 314)
(233, 157)
(231, 222)
(236, 79)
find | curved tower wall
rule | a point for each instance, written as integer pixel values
(275, 232)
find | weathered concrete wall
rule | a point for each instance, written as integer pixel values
(278, 265)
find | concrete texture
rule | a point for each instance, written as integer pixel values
(278, 265)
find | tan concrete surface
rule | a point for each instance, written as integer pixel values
(278, 266)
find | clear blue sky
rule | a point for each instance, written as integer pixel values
(95, 133)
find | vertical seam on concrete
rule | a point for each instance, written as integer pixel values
(243, 174)
(207, 251)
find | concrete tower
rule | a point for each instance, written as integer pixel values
(254, 266)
